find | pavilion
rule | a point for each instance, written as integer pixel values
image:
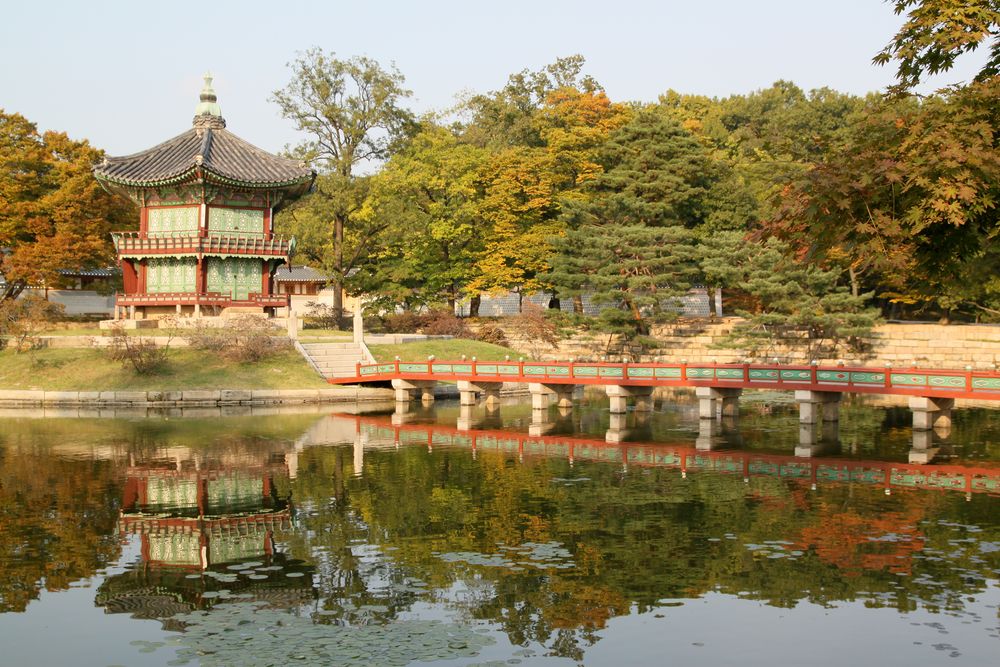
(207, 200)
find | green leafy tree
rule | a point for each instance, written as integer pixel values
(428, 197)
(352, 110)
(508, 117)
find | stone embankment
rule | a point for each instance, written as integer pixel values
(901, 345)
(191, 397)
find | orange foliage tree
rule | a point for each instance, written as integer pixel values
(53, 213)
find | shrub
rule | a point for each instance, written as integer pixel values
(407, 321)
(444, 323)
(22, 320)
(535, 330)
(321, 316)
(140, 354)
(491, 333)
(246, 338)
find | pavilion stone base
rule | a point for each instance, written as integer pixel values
(188, 322)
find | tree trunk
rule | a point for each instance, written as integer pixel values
(338, 267)
(474, 304)
(710, 291)
(578, 304)
(855, 284)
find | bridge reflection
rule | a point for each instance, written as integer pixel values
(716, 449)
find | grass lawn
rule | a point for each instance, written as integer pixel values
(444, 350)
(76, 369)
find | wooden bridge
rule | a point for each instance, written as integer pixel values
(818, 389)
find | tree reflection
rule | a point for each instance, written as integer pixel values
(57, 520)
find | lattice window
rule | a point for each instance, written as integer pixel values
(172, 221)
(168, 274)
(236, 221)
(237, 277)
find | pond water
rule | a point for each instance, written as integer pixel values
(466, 536)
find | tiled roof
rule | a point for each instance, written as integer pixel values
(216, 151)
(299, 274)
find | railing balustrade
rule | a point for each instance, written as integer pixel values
(133, 242)
(885, 380)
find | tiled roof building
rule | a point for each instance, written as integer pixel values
(207, 200)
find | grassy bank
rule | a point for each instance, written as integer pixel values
(90, 370)
(445, 350)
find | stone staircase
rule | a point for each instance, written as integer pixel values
(333, 360)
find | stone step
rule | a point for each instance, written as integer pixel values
(331, 346)
(337, 367)
(336, 357)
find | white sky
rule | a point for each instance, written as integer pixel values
(126, 75)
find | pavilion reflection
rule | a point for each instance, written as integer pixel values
(208, 526)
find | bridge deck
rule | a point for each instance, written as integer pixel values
(983, 385)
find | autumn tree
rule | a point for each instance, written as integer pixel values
(352, 111)
(53, 213)
(906, 204)
(936, 33)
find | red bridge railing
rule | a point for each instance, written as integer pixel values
(885, 380)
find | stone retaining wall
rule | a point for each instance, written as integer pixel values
(902, 345)
(191, 397)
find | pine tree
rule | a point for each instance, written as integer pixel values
(630, 245)
(796, 304)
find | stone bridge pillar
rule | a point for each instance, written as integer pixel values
(407, 390)
(817, 439)
(619, 395)
(718, 434)
(818, 406)
(709, 398)
(931, 413)
(542, 394)
(468, 391)
(468, 417)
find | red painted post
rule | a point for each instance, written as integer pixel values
(968, 379)
(357, 369)
(888, 376)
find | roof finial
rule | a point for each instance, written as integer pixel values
(208, 113)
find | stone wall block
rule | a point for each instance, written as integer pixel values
(200, 395)
(130, 397)
(234, 395)
(61, 397)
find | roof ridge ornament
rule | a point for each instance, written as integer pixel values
(208, 113)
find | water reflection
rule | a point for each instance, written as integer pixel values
(501, 532)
